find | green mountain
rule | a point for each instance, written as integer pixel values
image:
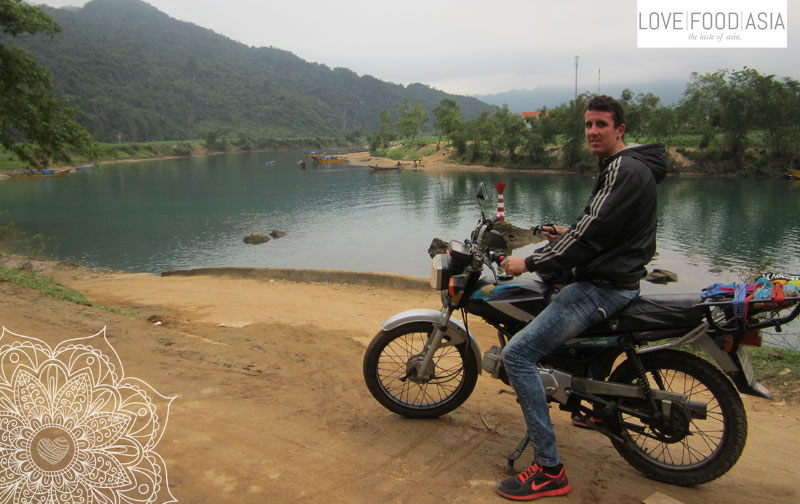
(134, 70)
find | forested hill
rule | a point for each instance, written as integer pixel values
(134, 70)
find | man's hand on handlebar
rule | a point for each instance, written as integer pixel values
(550, 231)
(514, 266)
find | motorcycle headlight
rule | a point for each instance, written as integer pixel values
(440, 272)
(460, 253)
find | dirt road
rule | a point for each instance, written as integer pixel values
(277, 410)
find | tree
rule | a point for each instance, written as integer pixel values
(725, 100)
(537, 134)
(447, 116)
(639, 113)
(35, 124)
(626, 97)
(471, 138)
(374, 142)
(459, 137)
(215, 140)
(404, 119)
(419, 120)
(386, 133)
(567, 123)
(411, 121)
(665, 123)
(354, 134)
(511, 130)
(778, 111)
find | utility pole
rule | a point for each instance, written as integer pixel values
(576, 77)
(598, 81)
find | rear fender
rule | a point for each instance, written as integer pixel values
(455, 335)
(736, 365)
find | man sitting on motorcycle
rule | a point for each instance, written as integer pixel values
(603, 257)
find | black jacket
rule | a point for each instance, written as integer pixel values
(615, 237)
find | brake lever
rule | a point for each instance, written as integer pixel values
(496, 258)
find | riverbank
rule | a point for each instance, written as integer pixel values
(267, 370)
(155, 151)
(441, 159)
(444, 159)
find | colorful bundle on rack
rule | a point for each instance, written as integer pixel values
(771, 290)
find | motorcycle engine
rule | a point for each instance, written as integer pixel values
(492, 360)
(493, 363)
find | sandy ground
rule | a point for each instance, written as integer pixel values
(277, 411)
(441, 160)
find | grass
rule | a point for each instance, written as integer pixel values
(415, 151)
(26, 277)
(771, 365)
(776, 368)
(111, 152)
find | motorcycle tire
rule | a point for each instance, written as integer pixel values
(388, 358)
(712, 445)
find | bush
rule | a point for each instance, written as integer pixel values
(182, 149)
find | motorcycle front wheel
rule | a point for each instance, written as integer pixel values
(685, 450)
(393, 354)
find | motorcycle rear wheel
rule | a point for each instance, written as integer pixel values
(386, 363)
(712, 445)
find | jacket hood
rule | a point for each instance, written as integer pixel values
(654, 156)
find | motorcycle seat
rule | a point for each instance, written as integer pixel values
(652, 312)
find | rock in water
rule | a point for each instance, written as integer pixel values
(659, 276)
(438, 246)
(277, 234)
(256, 238)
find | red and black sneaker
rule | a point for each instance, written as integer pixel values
(534, 483)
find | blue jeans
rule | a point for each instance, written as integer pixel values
(572, 310)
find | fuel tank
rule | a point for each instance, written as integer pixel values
(513, 301)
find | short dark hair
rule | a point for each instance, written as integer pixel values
(603, 103)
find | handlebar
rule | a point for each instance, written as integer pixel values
(540, 229)
(497, 257)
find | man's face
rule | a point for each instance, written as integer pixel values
(601, 135)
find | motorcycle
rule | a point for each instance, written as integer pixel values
(672, 414)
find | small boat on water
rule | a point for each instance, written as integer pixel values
(794, 173)
(270, 163)
(313, 154)
(329, 159)
(386, 168)
(40, 174)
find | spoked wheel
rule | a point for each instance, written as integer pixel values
(686, 448)
(390, 366)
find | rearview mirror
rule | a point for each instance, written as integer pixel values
(482, 194)
(497, 241)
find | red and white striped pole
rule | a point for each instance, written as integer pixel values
(501, 209)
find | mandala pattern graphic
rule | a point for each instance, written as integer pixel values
(74, 428)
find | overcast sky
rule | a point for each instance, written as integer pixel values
(472, 46)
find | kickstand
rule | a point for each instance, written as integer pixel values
(517, 453)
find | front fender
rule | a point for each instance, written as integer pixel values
(456, 332)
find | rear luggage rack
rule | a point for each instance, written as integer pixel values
(730, 323)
